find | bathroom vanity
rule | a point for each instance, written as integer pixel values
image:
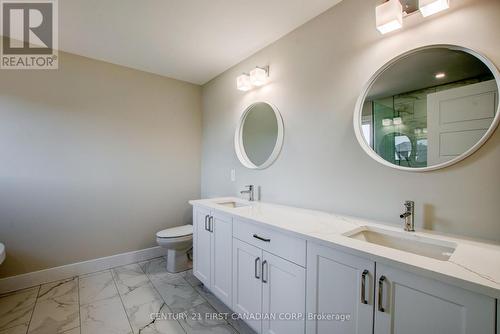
(289, 270)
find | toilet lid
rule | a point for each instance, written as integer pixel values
(175, 232)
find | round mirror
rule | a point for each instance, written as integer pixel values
(429, 108)
(259, 136)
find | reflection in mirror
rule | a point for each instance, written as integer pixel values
(429, 107)
(260, 132)
(259, 136)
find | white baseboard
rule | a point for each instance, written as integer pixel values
(27, 280)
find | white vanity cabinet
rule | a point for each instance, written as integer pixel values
(411, 304)
(279, 283)
(339, 284)
(390, 301)
(212, 249)
(266, 284)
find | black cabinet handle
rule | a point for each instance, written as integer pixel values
(206, 222)
(257, 276)
(261, 238)
(381, 293)
(363, 287)
(211, 224)
(264, 264)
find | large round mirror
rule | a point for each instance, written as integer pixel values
(428, 108)
(259, 136)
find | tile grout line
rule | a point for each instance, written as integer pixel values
(213, 306)
(159, 294)
(79, 306)
(121, 300)
(33, 309)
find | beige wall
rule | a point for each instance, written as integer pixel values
(317, 74)
(94, 160)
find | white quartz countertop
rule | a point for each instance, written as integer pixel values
(475, 265)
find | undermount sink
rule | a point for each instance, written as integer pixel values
(405, 241)
(2, 253)
(233, 204)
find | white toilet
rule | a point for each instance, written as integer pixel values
(178, 241)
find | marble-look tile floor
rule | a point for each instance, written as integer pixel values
(117, 301)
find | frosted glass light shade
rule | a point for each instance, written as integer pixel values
(387, 122)
(389, 16)
(397, 121)
(258, 76)
(243, 82)
(430, 7)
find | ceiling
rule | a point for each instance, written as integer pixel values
(190, 40)
(417, 71)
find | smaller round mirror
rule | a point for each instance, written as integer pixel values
(259, 136)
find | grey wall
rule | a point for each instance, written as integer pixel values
(94, 160)
(317, 73)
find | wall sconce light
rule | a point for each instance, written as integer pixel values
(387, 122)
(397, 121)
(243, 82)
(430, 7)
(257, 77)
(389, 16)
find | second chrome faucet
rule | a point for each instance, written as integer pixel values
(408, 216)
(250, 191)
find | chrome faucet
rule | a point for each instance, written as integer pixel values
(250, 192)
(408, 216)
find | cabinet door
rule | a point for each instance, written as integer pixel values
(222, 260)
(410, 304)
(339, 285)
(283, 296)
(247, 287)
(201, 246)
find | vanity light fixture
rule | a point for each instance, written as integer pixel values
(430, 7)
(387, 122)
(243, 82)
(397, 121)
(258, 76)
(389, 16)
(418, 131)
(440, 75)
(424, 130)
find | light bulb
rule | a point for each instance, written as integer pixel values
(243, 82)
(389, 16)
(258, 76)
(430, 7)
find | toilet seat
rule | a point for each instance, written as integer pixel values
(176, 232)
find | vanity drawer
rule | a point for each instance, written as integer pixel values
(288, 247)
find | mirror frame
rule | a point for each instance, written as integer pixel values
(238, 138)
(366, 88)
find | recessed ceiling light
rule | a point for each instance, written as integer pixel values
(440, 75)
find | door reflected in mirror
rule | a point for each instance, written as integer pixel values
(429, 108)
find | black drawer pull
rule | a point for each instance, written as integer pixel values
(261, 238)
